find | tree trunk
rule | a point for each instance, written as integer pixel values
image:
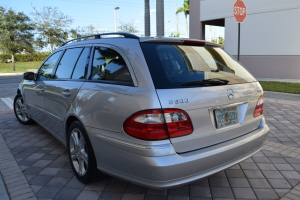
(13, 62)
(160, 18)
(147, 18)
(51, 48)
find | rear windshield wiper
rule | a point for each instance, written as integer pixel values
(207, 82)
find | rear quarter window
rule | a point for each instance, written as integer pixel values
(109, 66)
(67, 63)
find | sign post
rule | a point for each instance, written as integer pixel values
(239, 13)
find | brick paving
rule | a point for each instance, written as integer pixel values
(34, 165)
(3, 190)
(15, 181)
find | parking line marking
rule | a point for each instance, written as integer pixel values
(8, 101)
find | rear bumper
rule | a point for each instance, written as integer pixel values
(177, 169)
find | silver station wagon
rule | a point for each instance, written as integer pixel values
(158, 112)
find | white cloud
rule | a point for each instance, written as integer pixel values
(137, 22)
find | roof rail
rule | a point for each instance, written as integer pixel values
(98, 36)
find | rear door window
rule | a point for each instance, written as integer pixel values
(67, 63)
(179, 66)
(81, 65)
(109, 66)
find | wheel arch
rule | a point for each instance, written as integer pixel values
(92, 174)
(20, 88)
(18, 91)
(69, 121)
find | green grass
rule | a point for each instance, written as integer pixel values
(20, 66)
(286, 87)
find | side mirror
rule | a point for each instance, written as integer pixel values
(28, 76)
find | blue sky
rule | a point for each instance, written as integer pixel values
(100, 13)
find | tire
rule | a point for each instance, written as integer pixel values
(81, 154)
(20, 111)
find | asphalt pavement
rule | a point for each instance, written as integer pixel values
(34, 165)
(11, 78)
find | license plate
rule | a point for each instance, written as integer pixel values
(226, 116)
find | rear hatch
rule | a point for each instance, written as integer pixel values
(218, 94)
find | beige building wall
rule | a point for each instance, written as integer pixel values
(269, 34)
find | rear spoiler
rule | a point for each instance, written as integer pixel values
(178, 41)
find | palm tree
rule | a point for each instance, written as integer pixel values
(186, 10)
(147, 18)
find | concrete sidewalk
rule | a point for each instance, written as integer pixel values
(279, 80)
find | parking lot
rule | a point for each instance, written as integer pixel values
(34, 165)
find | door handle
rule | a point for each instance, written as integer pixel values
(66, 93)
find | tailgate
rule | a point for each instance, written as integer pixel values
(206, 106)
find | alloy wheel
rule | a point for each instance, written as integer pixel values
(78, 152)
(20, 109)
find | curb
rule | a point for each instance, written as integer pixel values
(279, 80)
(282, 96)
(12, 74)
(17, 73)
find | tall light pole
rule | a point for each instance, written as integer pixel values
(116, 8)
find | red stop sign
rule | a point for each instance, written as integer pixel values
(239, 11)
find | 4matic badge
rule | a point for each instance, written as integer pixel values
(178, 101)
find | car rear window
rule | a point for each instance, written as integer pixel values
(177, 66)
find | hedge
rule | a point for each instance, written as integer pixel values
(25, 57)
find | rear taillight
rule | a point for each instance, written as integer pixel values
(259, 108)
(158, 124)
(178, 122)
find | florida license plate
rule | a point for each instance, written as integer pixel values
(226, 116)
